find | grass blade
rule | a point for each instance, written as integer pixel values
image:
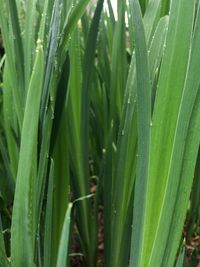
(63, 247)
(144, 123)
(48, 220)
(165, 115)
(22, 235)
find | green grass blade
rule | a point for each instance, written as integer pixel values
(10, 180)
(180, 260)
(127, 147)
(50, 129)
(70, 24)
(194, 214)
(18, 44)
(184, 187)
(22, 235)
(89, 58)
(105, 112)
(61, 182)
(43, 162)
(183, 143)
(48, 219)
(64, 241)
(29, 38)
(118, 74)
(88, 63)
(10, 121)
(111, 13)
(51, 63)
(151, 17)
(165, 115)
(10, 59)
(143, 125)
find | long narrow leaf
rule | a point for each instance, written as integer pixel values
(22, 235)
(144, 128)
(63, 247)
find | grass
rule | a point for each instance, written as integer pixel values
(99, 114)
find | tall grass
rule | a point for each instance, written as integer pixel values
(99, 112)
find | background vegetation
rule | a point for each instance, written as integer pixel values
(99, 133)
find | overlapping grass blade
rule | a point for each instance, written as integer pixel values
(151, 17)
(52, 45)
(118, 75)
(61, 181)
(88, 233)
(98, 105)
(22, 235)
(48, 219)
(10, 121)
(70, 23)
(11, 61)
(180, 260)
(63, 246)
(10, 180)
(194, 213)
(184, 186)
(127, 147)
(186, 142)
(17, 44)
(144, 129)
(170, 87)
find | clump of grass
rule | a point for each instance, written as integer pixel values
(98, 111)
